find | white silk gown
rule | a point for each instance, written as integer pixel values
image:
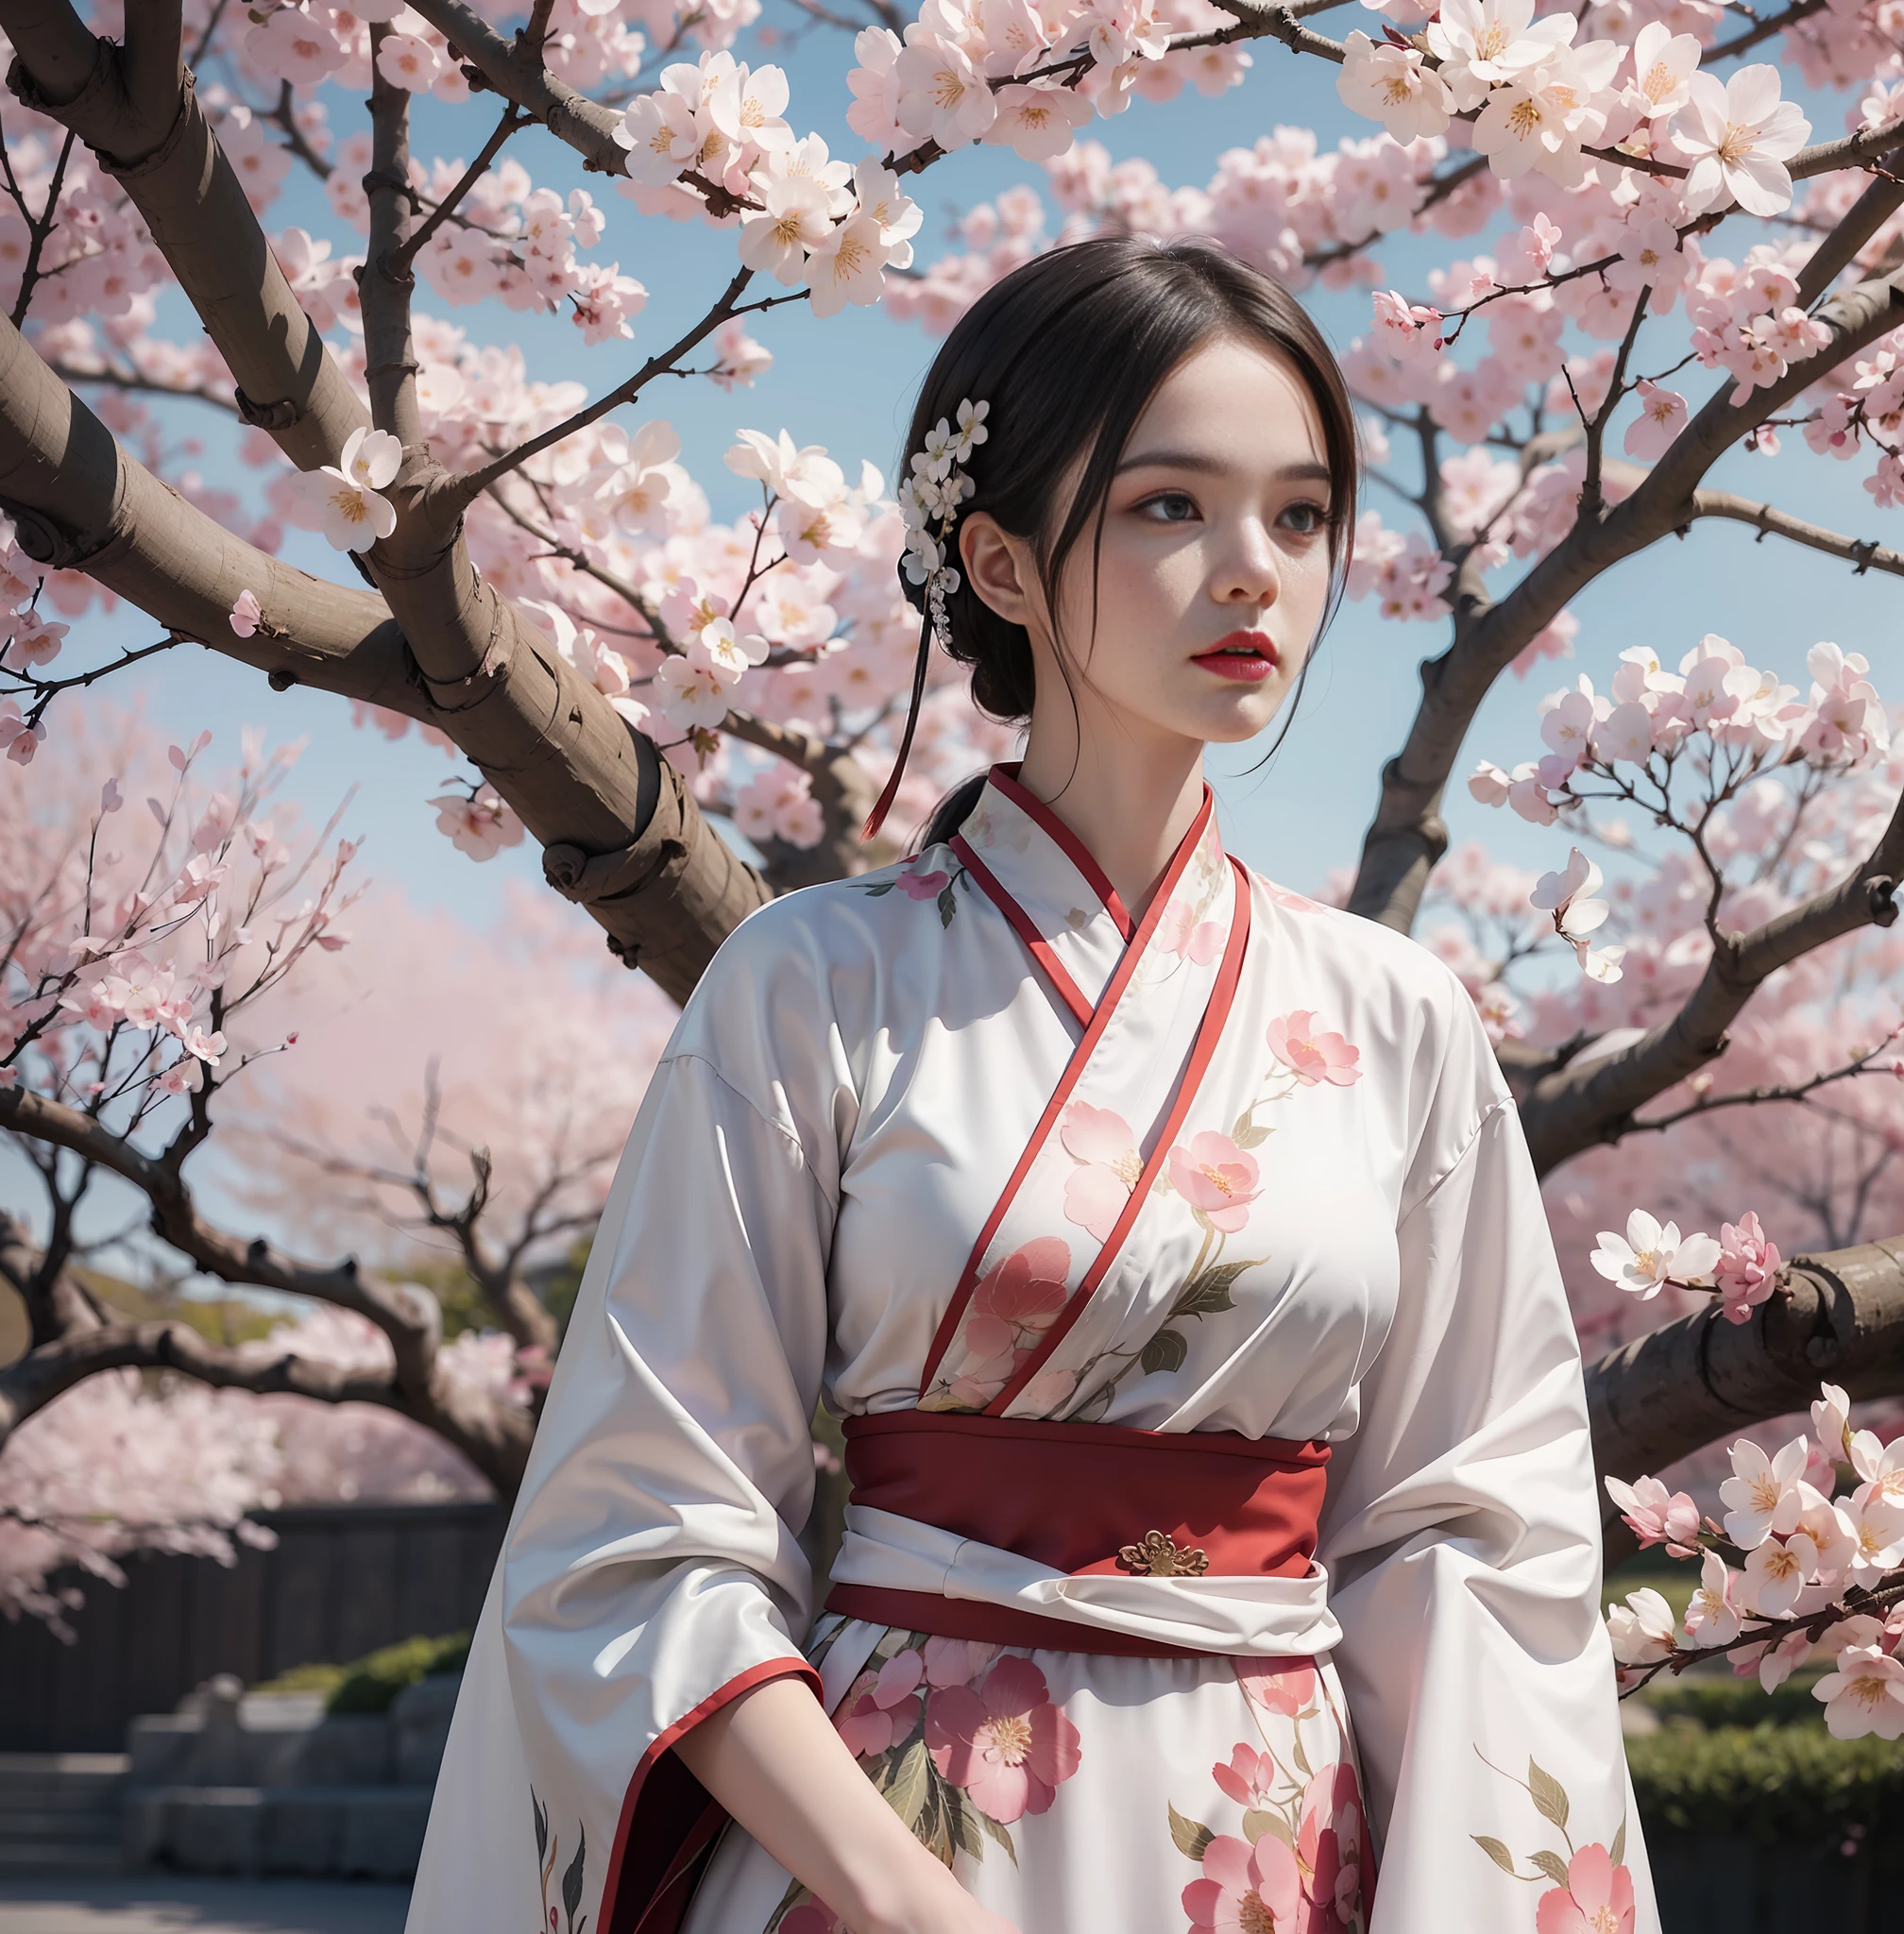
(1247, 1167)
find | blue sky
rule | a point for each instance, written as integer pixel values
(847, 383)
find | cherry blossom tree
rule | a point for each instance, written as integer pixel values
(153, 954)
(1668, 262)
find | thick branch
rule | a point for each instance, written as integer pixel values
(81, 502)
(621, 832)
(52, 1368)
(494, 1436)
(1865, 552)
(389, 359)
(135, 108)
(570, 117)
(398, 1312)
(1679, 1388)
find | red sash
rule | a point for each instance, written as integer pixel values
(1082, 1499)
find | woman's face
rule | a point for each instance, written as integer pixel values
(1213, 570)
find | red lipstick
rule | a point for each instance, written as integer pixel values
(1249, 656)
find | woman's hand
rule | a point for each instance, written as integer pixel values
(773, 1759)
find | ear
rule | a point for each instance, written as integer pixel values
(999, 568)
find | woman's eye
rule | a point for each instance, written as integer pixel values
(1172, 507)
(1305, 520)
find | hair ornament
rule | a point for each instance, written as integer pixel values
(928, 505)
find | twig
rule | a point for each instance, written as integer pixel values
(39, 229)
(47, 689)
(1866, 554)
(402, 256)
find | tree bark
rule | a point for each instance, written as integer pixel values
(1665, 1394)
(136, 109)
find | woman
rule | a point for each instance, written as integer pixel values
(1224, 1531)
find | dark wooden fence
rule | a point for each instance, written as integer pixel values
(343, 1580)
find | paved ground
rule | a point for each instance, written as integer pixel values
(181, 1905)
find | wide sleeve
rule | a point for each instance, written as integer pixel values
(1461, 1536)
(652, 1571)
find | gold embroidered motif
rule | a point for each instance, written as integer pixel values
(1158, 1556)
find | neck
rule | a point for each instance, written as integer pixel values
(1130, 803)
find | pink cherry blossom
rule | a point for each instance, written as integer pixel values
(480, 826)
(246, 615)
(1312, 1055)
(1662, 415)
(1019, 1297)
(1096, 1193)
(1249, 1778)
(1597, 1899)
(1748, 1269)
(1329, 1846)
(1182, 933)
(1245, 1888)
(881, 1707)
(1278, 1685)
(1656, 1516)
(1004, 1741)
(917, 884)
(1216, 1178)
(956, 1661)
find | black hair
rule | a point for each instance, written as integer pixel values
(1069, 349)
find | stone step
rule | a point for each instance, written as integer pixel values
(23, 1828)
(85, 1859)
(62, 1765)
(101, 1798)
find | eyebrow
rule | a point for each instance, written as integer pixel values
(1209, 465)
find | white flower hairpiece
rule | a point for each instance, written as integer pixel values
(929, 503)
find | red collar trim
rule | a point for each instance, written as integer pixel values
(1005, 777)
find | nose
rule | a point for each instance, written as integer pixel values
(1248, 571)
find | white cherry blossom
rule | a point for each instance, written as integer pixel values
(1738, 135)
(1864, 1693)
(943, 97)
(1651, 1254)
(794, 218)
(877, 189)
(1485, 43)
(1761, 1495)
(1568, 895)
(746, 105)
(345, 496)
(1642, 1630)
(1714, 1617)
(661, 134)
(1777, 1572)
(1395, 86)
(847, 265)
(1663, 65)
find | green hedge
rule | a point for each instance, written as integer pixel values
(1718, 1698)
(369, 1685)
(1788, 1784)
